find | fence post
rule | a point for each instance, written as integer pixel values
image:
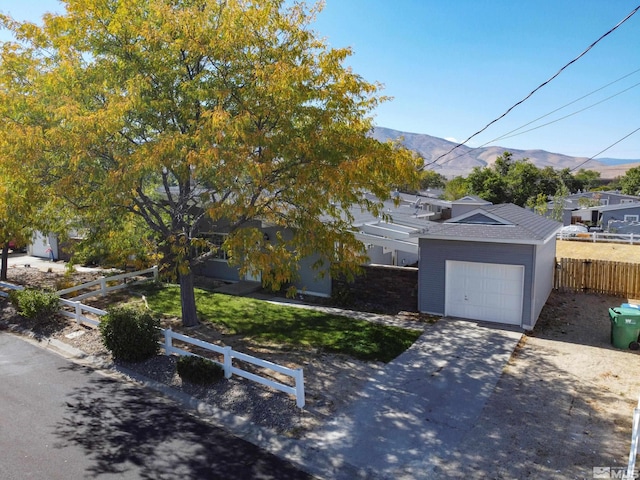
(167, 341)
(155, 273)
(78, 312)
(299, 388)
(226, 361)
(103, 286)
(634, 444)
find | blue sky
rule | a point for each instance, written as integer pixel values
(452, 66)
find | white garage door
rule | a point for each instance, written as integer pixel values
(484, 291)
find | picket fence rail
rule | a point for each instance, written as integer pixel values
(78, 313)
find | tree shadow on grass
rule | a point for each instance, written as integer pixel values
(126, 430)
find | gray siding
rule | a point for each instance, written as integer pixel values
(311, 280)
(435, 253)
(218, 269)
(545, 264)
(607, 216)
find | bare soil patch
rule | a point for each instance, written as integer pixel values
(563, 405)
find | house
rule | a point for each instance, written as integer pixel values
(467, 204)
(387, 240)
(493, 263)
(575, 207)
(603, 215)
(44, 246)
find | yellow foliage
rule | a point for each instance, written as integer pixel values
(170, 109)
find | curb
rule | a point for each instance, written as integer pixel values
(301, 453)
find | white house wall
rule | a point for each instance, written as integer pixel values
(41, 243)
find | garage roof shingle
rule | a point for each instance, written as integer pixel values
(519, 226)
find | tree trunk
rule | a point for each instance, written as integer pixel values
(5, 262)
(188, 300)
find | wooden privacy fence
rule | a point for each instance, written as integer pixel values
(598, 276)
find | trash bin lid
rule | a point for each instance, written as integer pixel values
(625, 315)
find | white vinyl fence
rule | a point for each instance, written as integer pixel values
(229, 354)
(629, 238)
(635, 432)
(108, 284)
(78, 311)
(8, 286)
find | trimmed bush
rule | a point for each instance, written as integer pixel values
(198, 370)
(130, 334)
(35, 304)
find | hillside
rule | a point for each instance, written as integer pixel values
(463, 159)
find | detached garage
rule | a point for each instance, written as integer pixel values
(495, 263)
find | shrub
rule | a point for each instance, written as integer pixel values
(35, 304)
(199, 370)
(130, 334)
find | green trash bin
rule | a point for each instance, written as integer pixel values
(625, 327)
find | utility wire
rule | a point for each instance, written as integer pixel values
(538, 87)
(602, 151)
(513, 134)
(571, 114)
(508, 134)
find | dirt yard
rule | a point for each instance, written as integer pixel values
(563, 405)
(616, 252)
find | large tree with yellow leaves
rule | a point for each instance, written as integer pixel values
(193, 112)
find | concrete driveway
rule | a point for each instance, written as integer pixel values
(417, 411)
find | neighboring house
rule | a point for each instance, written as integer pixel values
(494, 263)
(467, 204)
(44, 246)
(388, 240)
(603, 215)
(576, 207)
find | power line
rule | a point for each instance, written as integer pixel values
(539, 86)
(572, 113)
(602, 151)
(512, 133)
(506, 135)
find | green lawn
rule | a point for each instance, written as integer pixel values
(285, 325)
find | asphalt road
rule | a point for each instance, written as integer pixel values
(61, 420)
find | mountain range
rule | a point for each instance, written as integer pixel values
(463, 159)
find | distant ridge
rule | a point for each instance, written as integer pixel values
(462, 160)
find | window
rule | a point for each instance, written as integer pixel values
(631, 218)
(215, 242)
